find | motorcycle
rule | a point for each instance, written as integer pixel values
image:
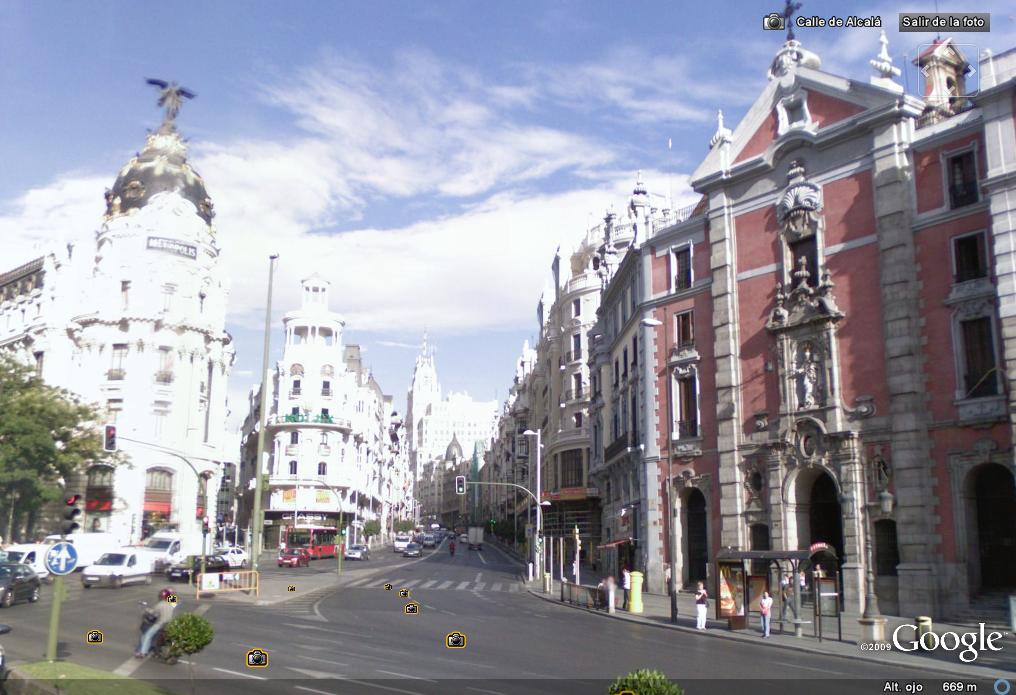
(4, 629)
(160, 647)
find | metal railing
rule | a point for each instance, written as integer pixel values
(116, 374)
(230, 580)
(164, 376)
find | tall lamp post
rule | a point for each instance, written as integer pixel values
(671, 530)
(872, 622)
(258, 515)
(539, 499)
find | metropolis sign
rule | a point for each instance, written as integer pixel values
(172, 246)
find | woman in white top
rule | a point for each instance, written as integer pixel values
(701, 606)
(765, 606)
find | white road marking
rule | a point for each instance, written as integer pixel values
(403, 675)
(324, 629)
(430, 608)
(513, 588)
(479, 587)
(807, 668)
(479, 576)
(480, 555)
(239, 673)
(383, 687)
(445, 585)
(410, 584)
(462, 586)
(330, 662)
(314, 674)
(481, 690)
(359, 583)
(427, 585)
(497, 587)
(312, 690)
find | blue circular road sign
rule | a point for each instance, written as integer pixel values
(62, 558)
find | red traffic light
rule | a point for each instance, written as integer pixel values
(109, 438)
(73, 499)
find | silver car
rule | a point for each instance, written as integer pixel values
(357, 552)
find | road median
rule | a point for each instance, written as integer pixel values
(69, 678)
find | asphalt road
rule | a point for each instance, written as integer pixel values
(358, 639)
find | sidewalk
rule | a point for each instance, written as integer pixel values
(989, 665)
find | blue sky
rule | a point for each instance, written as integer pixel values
(426, 157)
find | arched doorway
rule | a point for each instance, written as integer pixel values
(697, 548)
(825, 521)
(994, 499)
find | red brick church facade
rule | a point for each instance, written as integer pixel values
(839, 324)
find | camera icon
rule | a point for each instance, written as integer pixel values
(94, 637)
(455, 640)
(171, 598)
(404, 593)
(774, 22)
(291, 587)
(388, 587)
(412, 608)
(257, 658)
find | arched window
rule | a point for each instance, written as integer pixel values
(296, 370)
(100, 476)
(158, 479)
(324, 439)
(294, 437)
(327, 371)
(322, 468)
(292, 467)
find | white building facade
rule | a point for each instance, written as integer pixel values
(133, 320)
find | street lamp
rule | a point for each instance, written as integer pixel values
(672, 508)
(258, 520)
(539, 500)
(872, 622)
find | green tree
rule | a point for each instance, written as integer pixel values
(46, 434)
(188, 634)
(371, 528)
(645, 682)
(404, 525)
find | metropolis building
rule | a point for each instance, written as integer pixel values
(133, 321)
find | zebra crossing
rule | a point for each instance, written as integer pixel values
(512, 587)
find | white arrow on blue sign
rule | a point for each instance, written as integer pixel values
(62, 558)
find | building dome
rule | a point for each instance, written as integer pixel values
(161, 167)
(454, 450)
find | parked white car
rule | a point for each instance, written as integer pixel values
(31, 554)
(401, 541)
(236, 557)
(125, 566)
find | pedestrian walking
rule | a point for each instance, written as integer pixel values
(666, 579)
(765, 606)
(701, 606)
(626, 585)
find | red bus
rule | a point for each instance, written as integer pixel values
(319, 541)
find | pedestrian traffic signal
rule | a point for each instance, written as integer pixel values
(109, 438)
(72, 510)
(460, 485)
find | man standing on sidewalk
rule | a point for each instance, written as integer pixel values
(626, 585)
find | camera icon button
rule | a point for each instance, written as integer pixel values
(257, 658)
(455, 640)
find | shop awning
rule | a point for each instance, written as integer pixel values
(161, 507)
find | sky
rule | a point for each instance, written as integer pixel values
(428, 158)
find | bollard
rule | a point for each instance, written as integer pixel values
(610, 599)
(546, 582)
(635, 593)
(530, 571)
(923, 627)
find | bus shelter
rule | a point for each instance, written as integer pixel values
(742, 576)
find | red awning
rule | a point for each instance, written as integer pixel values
(161, 507)
(611, 544)
(98, 505)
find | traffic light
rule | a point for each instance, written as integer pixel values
(343, 532)
(72, 512)
(109, 438)
(460, 485)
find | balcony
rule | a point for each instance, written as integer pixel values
(295, 393)
(292, 449)
(961, 195)
(164, 376)
(575, 394)
(616, 447)
(326, 393)
(573, 355)
(319, 420)
(116, 374)
(324, 450)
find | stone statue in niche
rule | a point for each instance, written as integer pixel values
(807, 373)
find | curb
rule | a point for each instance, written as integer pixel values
(951, 670)
(17, 684)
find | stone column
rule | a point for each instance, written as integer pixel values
(901, 310)
(723, 266)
